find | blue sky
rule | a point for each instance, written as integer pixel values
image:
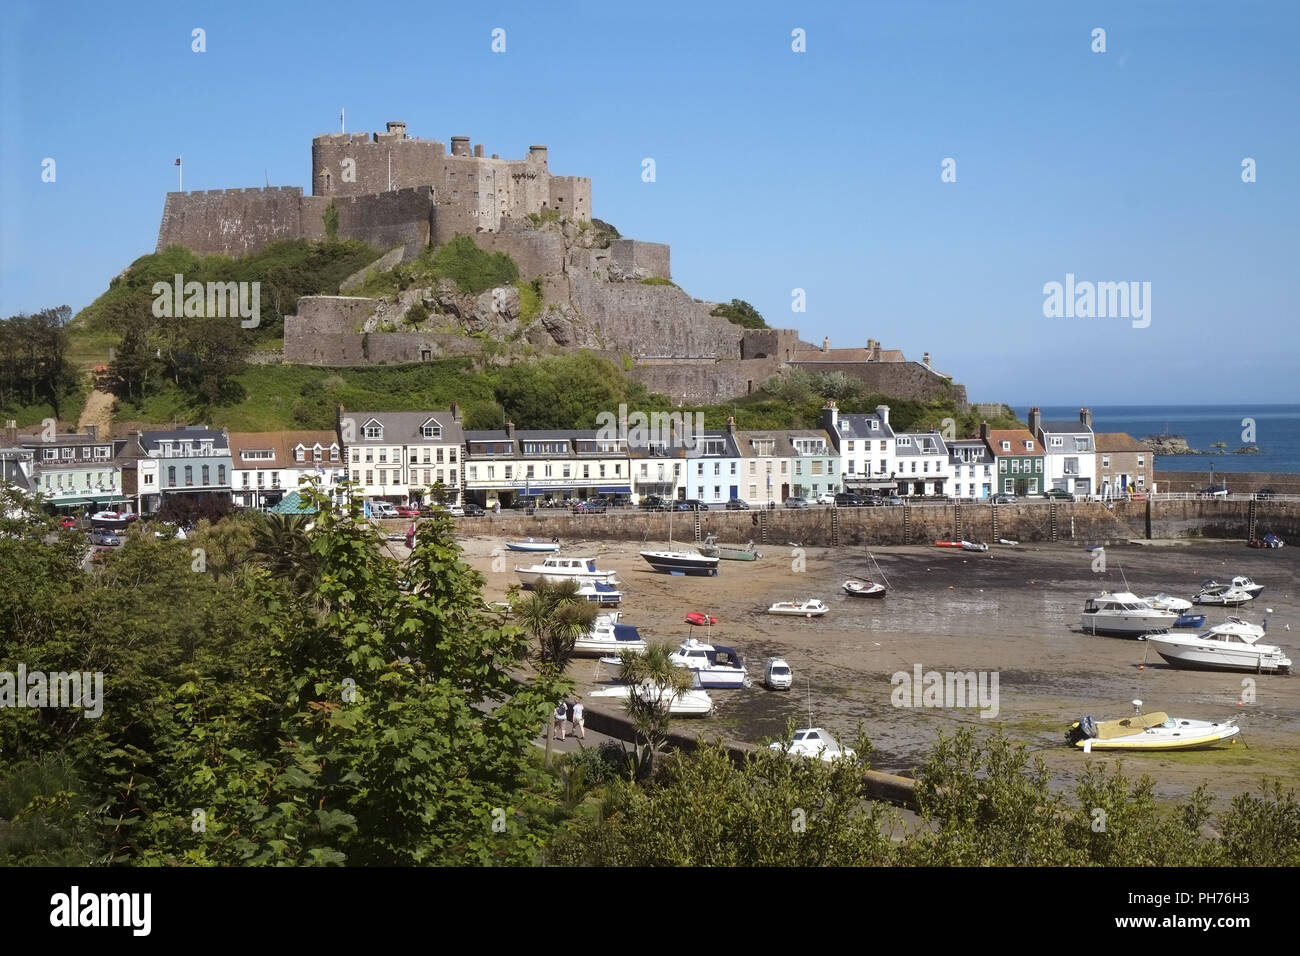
(775, 170)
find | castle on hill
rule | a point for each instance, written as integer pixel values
(403, 194)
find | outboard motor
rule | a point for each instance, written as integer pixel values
(1083, 729)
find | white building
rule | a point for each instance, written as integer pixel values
(786, 463)
(268, 465)
(508, 465)
(971, 463)
(865, 445)
(923, 467)
(1070, 452)
(398, 456)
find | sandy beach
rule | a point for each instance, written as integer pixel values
(1013, 611)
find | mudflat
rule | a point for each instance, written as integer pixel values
(1012, 612)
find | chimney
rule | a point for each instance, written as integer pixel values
(883, 412)
(984, 430)
(455, 412)
(1035, 422)
(731, 424)
(826, 344)
(925, 359)
(11, 432)
(831, 415)
(460, 146)
(92, 432)
(1085, 416)
(510, 430)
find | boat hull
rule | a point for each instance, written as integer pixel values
(530, 579)
(797, 612)
(1226, 658)
(1119, 626)
(533, 547)
(673, 563)
(1149, 741)
(721, 679)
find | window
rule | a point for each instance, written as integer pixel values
(492, 471)
(1006, 446)
(602, 470)
(189, 474)
(1008, 485)
(275, 478)
(206, 476)
(914, 468)
(848, 446)
(644, 472)
(383, 456)
(699, 468)
(299, 454)
(1033, 486)
(1038, 465)
(1015, 466)
(51, 454)
(471, 472)
(1029, 446)
(1058, 442)
(374, 431)
(1105, 461)
(1141, 460)
(852, 463)
(717, 492)
(383, 476)
(510, 473)
(717, 467)
(431, 430)
(370, 476)
(148, 479)
(1002, 466)
(356, 456)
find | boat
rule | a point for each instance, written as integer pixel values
(947, 544)
(814, 742)
(111, 520)
(700, 620)
(974, 546)
(1190, 620)
(1008, 542)
(1167, 602)
(809, 608)
(711, 549)
(867, 589)
(1156, 731)
(604, 595)
(717, 666)
(1247, 585)
(1268, 541)
(556, 569)
(608, 638)
(1231, 646)
(530, 546)
(1222, 595)
(682, 562)
(1125, 614)
(685, 703)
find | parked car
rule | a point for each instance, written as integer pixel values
(1263, 494)
(67, 522)
(1004, 498)
(654, 503)
(825, 498)
(846, 499)
(892, 500)
(1059, 494)
(456, 511)
(796, 502)
(407, 511)
(105, 539)
(473, 511)
(737, 504)
(595, 506)
(690, 504)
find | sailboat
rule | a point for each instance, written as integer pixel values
(681, 562)
(813, 741)
(855, 587)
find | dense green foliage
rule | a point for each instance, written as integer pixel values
(740, 312)
(472, 269)
(35, 373)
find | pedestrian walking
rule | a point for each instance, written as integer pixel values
(561, 712)
(579, 729)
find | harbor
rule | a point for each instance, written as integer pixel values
(1013, 612)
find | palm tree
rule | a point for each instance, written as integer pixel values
(656, 681)
(283, 547)
(556, 617)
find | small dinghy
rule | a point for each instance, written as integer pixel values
(866, 589)
(530, 546)
(1008, 542)
(1156, 731)
(974, 546)
(947, 544)
(809, 608)
(700, 620)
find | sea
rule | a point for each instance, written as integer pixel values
(1276, 432)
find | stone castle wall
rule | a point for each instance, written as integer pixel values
(899, 379)
(705, 383)
(230, 222)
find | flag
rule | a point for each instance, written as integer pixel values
(178, 161)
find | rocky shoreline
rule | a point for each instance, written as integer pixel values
(1177, 445)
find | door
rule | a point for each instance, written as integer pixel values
(735, 491)
(785, 491)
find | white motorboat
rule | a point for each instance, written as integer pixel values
(1167, 602)
(606, 637)
(685, 703)
(717, 666)
(1231, 646)
(533, 547)
(557, 569)
(1222, 595)
(1156, 731)
(867, 589)
(974, 546)
(1125, 614)
(815, 742)
(809, 608)
(605, 595)
(1247, 585)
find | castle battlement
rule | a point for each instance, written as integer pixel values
(255, 190)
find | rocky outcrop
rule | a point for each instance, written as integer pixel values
(1169, 445)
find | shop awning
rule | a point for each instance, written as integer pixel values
(613, 489)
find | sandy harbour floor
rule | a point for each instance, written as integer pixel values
(1012, 610)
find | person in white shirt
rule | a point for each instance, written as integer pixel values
(561, 712)
(579, 730)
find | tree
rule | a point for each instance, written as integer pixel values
(739, 312)
(655, 681)
(556, 616)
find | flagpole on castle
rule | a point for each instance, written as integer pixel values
(342, 126)
(180, 173)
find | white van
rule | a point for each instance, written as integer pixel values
(383, 509)
(777, 674)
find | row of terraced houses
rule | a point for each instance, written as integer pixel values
(402, 456)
